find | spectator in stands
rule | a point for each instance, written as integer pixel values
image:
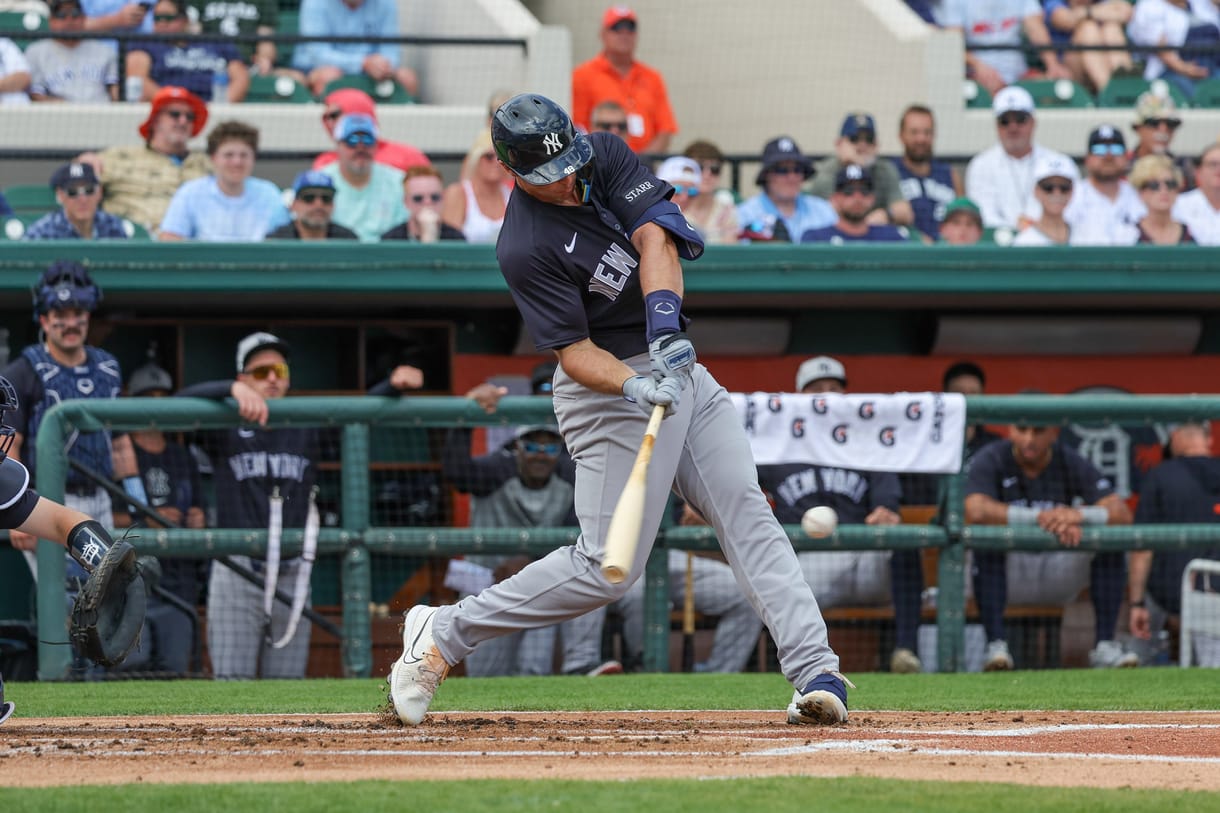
(1199, 208)
(475, 206)
(184, 63)
(174, 489)
(228, 206)
(1001, 22)
(79, 217)
(342, 102)
(715, 592)
(868, 497)
(684, 175)
(616, 74)
(422, 192)
(519, 486)
(857, 144)
(139, 181)
(1000, 179)
(1105, 207)
(247, 18)
(1182, 489)
(1167, 23)
(1092, 23)
(14, 75)
(609, 116)
(852, 200)
(1156, 122)
(313, 204)
(1159, 183)
(781, 213)
(250, 467)
(368, 195)
(962, 224)
(1034, 480)
(926, 183)
(70, 69)
(325, 62)
(118, 16)
(1054, 179)
(713, 212)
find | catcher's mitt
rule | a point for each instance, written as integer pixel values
(109, 610)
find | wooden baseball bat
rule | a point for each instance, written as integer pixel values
(623, 536)
(688, 616)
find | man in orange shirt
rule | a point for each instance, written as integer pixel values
(614, 74)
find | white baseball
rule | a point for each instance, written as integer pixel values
(820, 521)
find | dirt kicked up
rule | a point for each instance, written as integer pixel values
(1178, 750)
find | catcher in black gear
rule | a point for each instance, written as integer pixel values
(109, 611)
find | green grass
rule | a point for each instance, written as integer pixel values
(852, 795)
(1163, 689)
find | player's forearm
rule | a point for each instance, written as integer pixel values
(50, 520)
(659, 266)
(984, 510)
(594, 368)
(1139, 563)
(1116, 509)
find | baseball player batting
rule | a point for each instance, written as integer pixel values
(590, 248)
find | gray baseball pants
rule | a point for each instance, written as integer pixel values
(702, 452)
(236, 640)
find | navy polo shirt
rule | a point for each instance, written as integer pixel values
(573, 270)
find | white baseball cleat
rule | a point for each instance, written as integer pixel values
(415, 676)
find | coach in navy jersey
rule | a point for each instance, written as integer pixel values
(1033, 479)
(590, 248)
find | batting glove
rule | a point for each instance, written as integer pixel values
(646, 393)
(672, 355)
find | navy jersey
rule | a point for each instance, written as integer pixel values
(928, 194)
(1185, 489)
(248, 463)
(572, 270)
(797, 487)
(1068, 479)
(876, 234)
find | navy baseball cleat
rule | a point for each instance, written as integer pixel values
(6, 709)
(822, 702)
(418, 672)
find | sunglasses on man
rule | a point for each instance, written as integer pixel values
(1050, 187)
(863, 137)
(79, 191)
(689, 191)
(1172, 124)
(434, 197)
(1170, 184)
(189, 115)
(264, 371)
(1108, 148)
(360, 140)
(533, 447)
(317, 197)
(68, 14)
(608, 126)
(1013, 118)
(623, 25)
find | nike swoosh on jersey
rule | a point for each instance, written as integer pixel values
(1008, 482)
(570, 247)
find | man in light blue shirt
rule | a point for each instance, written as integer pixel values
(368, 195)
(781, 212)
(227, 206)
(324, 62)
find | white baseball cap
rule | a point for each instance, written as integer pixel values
(258, 341)
(1054, 165)
(820, 367)
(680, 169)
(1013, 99)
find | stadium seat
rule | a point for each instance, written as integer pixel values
(135, 231)
(14, 23)
(1057, 93)
(976, 95)
(1122, 91)
(1207, 93)
(277, 90)
(385, 92)
(31, 198)
(11, 228)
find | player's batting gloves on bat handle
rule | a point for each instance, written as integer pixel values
(646, 393)
(672, 355)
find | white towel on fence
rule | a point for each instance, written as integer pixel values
(901, 431)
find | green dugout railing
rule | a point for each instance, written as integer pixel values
(356, 539)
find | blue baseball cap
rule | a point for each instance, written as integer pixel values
(312, 179)
(354, 123)
(855, 122)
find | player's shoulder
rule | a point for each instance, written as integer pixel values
(14, 480)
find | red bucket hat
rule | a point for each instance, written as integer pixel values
(168, 95)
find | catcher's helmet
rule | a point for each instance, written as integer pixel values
(65, 284)
(8, 405)
(535, 138)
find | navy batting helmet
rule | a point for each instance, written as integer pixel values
(8, 405)
(535, 138)
(65, 284)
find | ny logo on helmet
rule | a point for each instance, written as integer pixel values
(552, 143)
